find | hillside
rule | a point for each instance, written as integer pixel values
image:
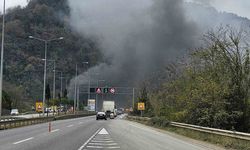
(23, 67)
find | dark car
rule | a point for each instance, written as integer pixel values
(101, 115)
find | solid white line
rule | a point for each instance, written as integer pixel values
(89, 140)
(70, 125)
(55, 130)
(24, 140)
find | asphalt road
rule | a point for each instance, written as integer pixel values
(88, 134)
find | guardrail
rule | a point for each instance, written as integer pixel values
(228, 133)
(24, 122)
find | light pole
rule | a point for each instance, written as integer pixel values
(54, 81)
(54, 77)
(2, 50)
(88, 78)
(75, 96)
(45, 63)
(61, 90)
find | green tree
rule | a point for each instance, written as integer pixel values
(47, 93)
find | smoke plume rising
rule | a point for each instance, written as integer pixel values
(139, 37)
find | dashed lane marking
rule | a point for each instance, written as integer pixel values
(55, 130)
(18, 142)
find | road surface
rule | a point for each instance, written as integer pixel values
(89, 134)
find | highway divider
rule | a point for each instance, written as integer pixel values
(19, 122)
(226, 133)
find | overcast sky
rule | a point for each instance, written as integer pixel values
(240, 7)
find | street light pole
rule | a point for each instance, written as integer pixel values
(75, 91)
(45, 64)
(2, 50)
(54, 81)
(44, 75)
(61, 92)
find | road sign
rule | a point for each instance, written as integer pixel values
(141, 106)
(112, 90)
(98, 90)
(105, 90)
(91, 104)
(39, 106)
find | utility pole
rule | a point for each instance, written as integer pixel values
(75, 97)
(133, 98)
(78, 97)
(61, 90)
(2, 50)
(54, 81)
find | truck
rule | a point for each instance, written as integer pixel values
(108, 107)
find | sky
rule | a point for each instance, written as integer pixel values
(12, 3)
(239, 7)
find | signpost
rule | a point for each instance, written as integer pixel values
(141, 107)
(39, 107)
(91, 104)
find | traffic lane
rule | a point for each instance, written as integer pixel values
(8, 136)
(132, 135)
(66, 138)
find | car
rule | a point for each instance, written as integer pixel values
(112, 116)
(14, 112)
(101, 115)
(108, 112)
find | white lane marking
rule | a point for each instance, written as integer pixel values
(55, 130)
(103, 144)
(24, 140)
(103, 131)
(70, 125)
(100, 141)
(113, 147)
(80, 123)
(89, 140)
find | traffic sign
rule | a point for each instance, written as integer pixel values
(39, 106)
(105, 90)
(141, 106)
(112, 90)
(98, 90)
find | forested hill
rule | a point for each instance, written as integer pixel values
(23, 64)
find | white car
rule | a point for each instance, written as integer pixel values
(112, 116)
(14, 112)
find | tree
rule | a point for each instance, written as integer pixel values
(213, 90)
(65, 93)
(47, 93)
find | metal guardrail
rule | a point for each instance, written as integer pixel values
(24, 122)
(227, 133)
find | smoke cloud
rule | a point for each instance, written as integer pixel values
(137, 37)
(140, 37)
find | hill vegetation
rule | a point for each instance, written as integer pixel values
(23, 64)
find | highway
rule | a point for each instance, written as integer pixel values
(89, 134)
